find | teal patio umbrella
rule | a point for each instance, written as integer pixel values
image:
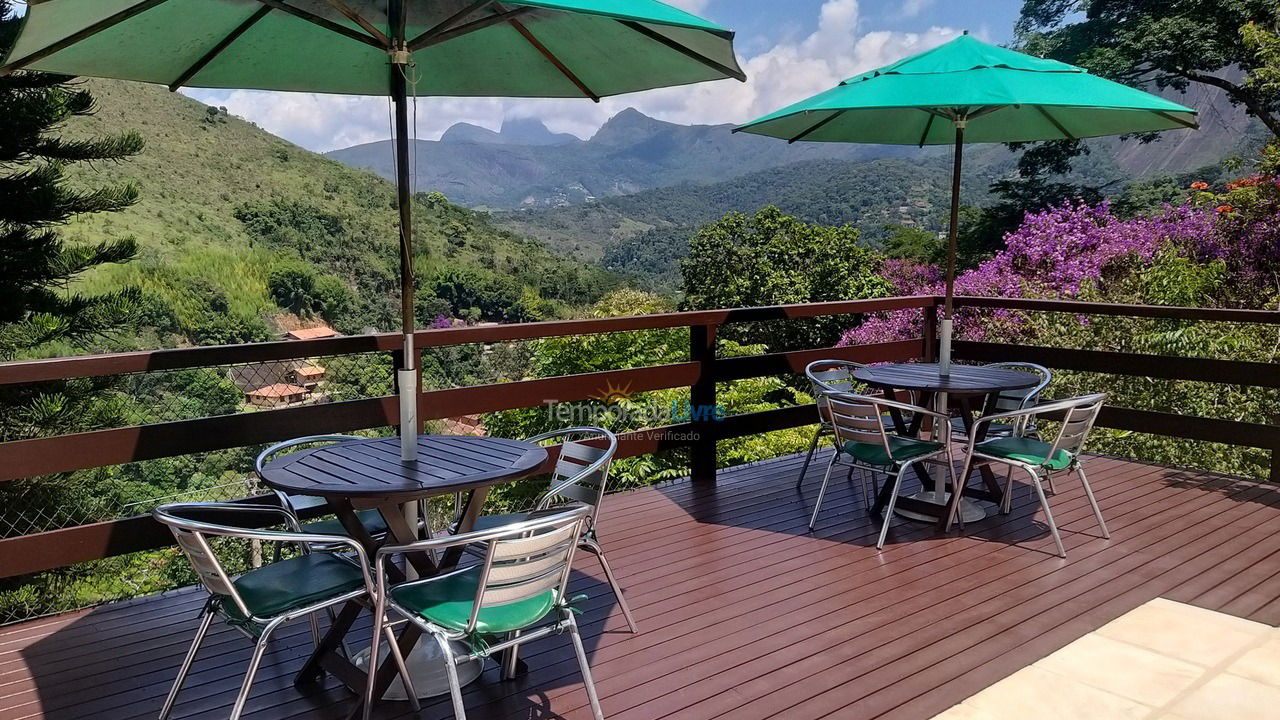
(397, 48)
(970, 91)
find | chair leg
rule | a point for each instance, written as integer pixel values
(813, 446)
(888, 510)
(203, 630)
(1093, 502)
(587, 682)
(451, 669)
(511, 657)
(594, 546)
(258, 650)
(371, 681)
(314, 621)
(1006, 503)
(823, 490)
(393, 648)
(1048, 514)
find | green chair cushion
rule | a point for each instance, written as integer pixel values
(371, 519)
(290, 584)
(903, 449)
(447, 600)
(489, 522)
(1025, 450)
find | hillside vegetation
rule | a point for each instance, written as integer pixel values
(225, 204)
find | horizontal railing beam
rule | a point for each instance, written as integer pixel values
(1227, 372)
(1167, 312)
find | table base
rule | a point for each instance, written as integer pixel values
(426, 667)
(969, 510)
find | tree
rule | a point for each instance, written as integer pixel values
(1168, 43)
(36, 266)
(775, 259)
(299, 288)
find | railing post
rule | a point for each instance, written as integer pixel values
(702, 403)
(930, 333)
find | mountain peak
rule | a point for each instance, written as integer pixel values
(629, 126)
(515, 131)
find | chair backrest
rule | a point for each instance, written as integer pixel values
(858, 419)
(289, 502)
(581, 472)
(828, 376)
(190, 525)
(1010, 400)
(1080, 415)
(531, 559)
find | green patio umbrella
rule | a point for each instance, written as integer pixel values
(970, 91)
(515, 48)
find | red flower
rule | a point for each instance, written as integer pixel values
(1225, 209)
(1199, 186)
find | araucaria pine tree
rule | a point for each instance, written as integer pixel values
(36, 265)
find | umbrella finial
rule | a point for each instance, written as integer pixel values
(966, 32)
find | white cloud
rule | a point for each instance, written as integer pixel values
(790, 70)
(912, 8)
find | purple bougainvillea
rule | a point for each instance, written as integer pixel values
(1058, 252)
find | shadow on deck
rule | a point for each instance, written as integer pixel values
(744, 613)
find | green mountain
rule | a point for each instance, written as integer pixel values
(225, 204)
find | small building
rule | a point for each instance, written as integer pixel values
(308, 376)
(471, 425)
(315, 333)
(277, 395)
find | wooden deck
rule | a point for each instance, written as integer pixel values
(744, 614)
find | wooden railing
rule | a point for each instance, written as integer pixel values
(60, 454)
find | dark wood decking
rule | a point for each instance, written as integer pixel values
(744, 614)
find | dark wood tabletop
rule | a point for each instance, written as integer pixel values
(372, 468)
(963, 380)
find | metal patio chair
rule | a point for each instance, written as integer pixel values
(580, 477)
(827, 376)
(1011, 400)
(1039, 459)
(258, 601)
(863, 441)
(517, 595)
(371, 519)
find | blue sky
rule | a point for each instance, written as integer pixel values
(790, 49)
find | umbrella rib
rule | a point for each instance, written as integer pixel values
(1191, 124)
(208, 57)
(453, 33)
(1055, 122)
(927, 127)
(816, 127)
(448, 22)
(550, 56)
(86, 33)
(325, 23)
(683, 50)
(359, 19)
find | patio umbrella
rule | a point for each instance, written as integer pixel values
(970, 91)
(515, 48)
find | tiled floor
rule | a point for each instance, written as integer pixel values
(1161, 661)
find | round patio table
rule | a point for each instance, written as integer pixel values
(976, 390)
(363, 474)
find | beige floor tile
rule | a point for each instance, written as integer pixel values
(1033, 693)
(1124, 669)
(1227, 697)
(1261, 663)
(1185, 632)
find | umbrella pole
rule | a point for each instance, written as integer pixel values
(944, 357)
(407, 374)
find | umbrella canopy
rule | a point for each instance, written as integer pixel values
(515, 48)
(1006, 95)
(970, 91)
(518, 48)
